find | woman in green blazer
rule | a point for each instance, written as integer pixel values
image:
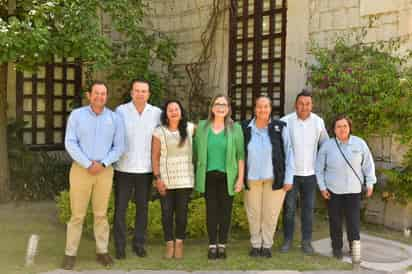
(219, 154)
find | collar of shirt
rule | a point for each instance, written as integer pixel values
(89, 108)
(252, 123)
(147, 108)
(349, 142)
(304, 121)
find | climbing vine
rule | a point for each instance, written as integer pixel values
(197, 94)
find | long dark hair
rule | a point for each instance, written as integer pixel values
(182, 123)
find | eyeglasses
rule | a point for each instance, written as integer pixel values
(220, 105)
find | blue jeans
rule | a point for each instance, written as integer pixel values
(305, 186)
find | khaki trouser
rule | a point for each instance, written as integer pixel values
(263, 206)
(82, 187)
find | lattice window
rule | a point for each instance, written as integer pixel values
(44, 101)
(257, 54)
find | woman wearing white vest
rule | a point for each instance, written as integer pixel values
(173, 171)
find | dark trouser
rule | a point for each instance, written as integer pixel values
(218, 207)
(348, 206)
(305, 186)
(175, 203)
(123, 188)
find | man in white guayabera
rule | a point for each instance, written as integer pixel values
(307, 132)
(134, 169)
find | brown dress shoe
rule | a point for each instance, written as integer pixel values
(179, 249)
(104, 259)
(170, 250)
(68, 262)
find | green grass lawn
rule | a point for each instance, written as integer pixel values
(18, 221)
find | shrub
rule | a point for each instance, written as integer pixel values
(372, 84)
(196, 216)
(34, 175)
(369, 82)
(398, 186)
(239, 218)
(196, 224)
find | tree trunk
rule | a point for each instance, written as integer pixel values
(4, 160)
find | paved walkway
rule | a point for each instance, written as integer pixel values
(376, 253)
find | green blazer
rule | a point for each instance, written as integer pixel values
(234, 153)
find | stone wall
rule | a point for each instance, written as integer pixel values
(317, 20)
(185, 21)
(297, 39)
(387, 151)
(393, 19)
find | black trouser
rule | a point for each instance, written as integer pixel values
(125, 183)
(175, 203)
(218, 207)
(348, 206)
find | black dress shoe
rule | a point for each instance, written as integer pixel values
(337, 253)
(120, 255)
(104, 259)
(286, 246)
(212, 253)
(140, 251)
(221, 252)
(266, 253)
(68, 262)
(307, 248)
(254, 252)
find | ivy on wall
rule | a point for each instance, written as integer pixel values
(198, 94)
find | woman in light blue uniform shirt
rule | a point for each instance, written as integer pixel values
(344, 163)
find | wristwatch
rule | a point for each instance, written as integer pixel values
(157, 177)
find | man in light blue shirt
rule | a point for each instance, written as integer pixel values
(94, 140)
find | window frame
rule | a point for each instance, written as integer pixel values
(250, 91)
(49, 96)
